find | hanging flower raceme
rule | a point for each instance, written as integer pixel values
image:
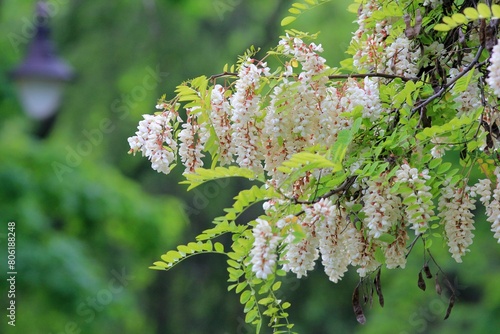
(221, 121)
(493, 79)
(246, 114)
(455, 208)
(263, 253)
(152, 134)
(192, 141)
(418, 199)
(493, 207)
(382, 209)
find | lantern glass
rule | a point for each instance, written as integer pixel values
(40, 97)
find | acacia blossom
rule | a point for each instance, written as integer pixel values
(419, 207)
(382, 209)
(299, 257)
(402, 57)
(455, 206)
(192, 141)
(329, 225)
(152, 133)
(221, 121)
(395, 253)
(370, 40)
(361, 250)
(263, 254)
(470, 99)
(493, 208)
(292, 119)
(245, 112)
(493, 79)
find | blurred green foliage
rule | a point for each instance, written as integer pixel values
(111, 213)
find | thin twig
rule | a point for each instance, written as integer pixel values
(343, 187)
(372, 75)
(451, 83)
(336, 76)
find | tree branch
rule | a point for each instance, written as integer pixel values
(445, 87)
(336, 76)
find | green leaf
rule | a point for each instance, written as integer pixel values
(495, 9)
(241, 286)
(245, 296)
(203, 175)
(171, 256)
(219, 247)
(462, 84)
(249, 305)
(388, 238)
(471, 13)
(265, 301)
(300, 5)
(435, 162)
(379, 255)
(449, 22)
(484, 11)
(443, 168)
(287, 20)
(251, 315)
(294, 11)
(276, 286)
(459, 18)
(442, 27)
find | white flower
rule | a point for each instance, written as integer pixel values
(402, 57)
(152, 133)
(192, 141)
(455, 206)
(395, 253)
(263, 254)
(494, 76)
(433, 3)
(382, 209)
(419, 209)
(245, 113)
(300, 257)
(493, 209)
(332, 245)
(470, 99)
(221, 120)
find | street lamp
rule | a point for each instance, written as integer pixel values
(40, 78)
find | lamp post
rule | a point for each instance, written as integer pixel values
(40, 78)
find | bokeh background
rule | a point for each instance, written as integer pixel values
(87, 234)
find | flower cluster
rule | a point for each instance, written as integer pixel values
(245, 112)
(152, 133)
(192, 139)
(263, 253)
(418, 201)
(455, 208)
(493, 207)
(374, 51)
(221, 121)
(401, 58)
(370, 39)
(382, 209)
(493, 79)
